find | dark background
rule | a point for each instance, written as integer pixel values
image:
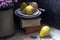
(50, 16)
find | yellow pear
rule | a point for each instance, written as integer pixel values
(23, 5)
(28, 10)
(45, 31)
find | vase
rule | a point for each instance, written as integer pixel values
(6, 23)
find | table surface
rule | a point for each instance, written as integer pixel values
(55, 35)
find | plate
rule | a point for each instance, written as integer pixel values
(19, 13)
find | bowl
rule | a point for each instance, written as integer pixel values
(19, 13)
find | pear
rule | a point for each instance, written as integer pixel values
(23, 5)
(34, 4)
(45, 31)
(28, 10)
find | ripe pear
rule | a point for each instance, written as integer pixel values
(45, 31)
(23, 5)
(28, 10)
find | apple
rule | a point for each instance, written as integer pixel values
(28, 10)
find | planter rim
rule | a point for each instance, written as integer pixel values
(4, 9)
